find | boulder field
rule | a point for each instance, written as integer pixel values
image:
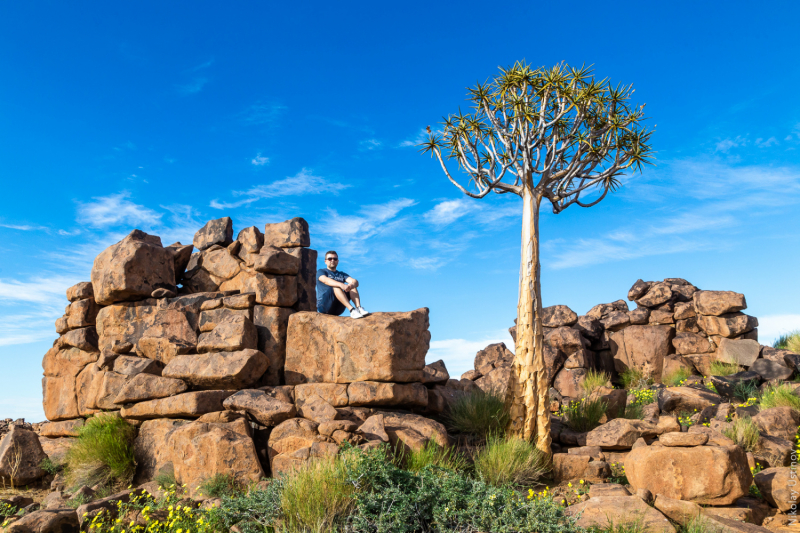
(215, 353)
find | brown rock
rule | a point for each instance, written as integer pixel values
(769, 370)
(327, 428)
(679, 399)
(239, 301)
(610, 511)
(675, 439)
(639, 316)
(777, 487)
(110, 387)
(471, 375)
(267, 410)
(568, 382)
(181, 254)
(186, 405)
(251, 240)
(718, 303)
(429, 429)
(712, 475)
(150, 447)
(132, 269)
(569, 467)
(287, 234)
(82, 313)
(435, 372)
(46, 521)
(306, 279)
(221, 417)
(657, 294)
(169, 336)
(493, 356)
(496, 381)
(615, 400)
(684, 310)
(568, 340)
(229, 370)
(292, 435)
(589, 327)
(616, 320)
(333, 393)
(558, 315)
(619, 434)
(638, 289)
(272, 290)
(673, 363)
(235, 334)
(273, 260)
(742, 352)
(316, 409)
(271, 325)
(20, 457)
(148, 387)
(642, 348)
(82, 338)
(689, 324)
(65, 428)
(691, 343)
(80, 291)
(781, 422)
(374, 428)
(373, 393)
(125, 322)
(380, 347)
(211, 318)
(658, 316)
(728, 325)
(219, 231)
(128, 365)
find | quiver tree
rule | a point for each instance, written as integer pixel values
(555, 135)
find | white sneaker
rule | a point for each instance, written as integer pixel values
(355, 313)
(363, 311)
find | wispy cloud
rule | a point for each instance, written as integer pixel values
(766, 143)
(24, 227)
(37, 290)
(370, 144)
(726, 145)
(351, 231)
(202, 66)
(479, 211)
(449, 211)
(192, 87)
(421, 136)
(304, 182)
(263, 114)
(427, 263)
(259, 160)
(116, 209)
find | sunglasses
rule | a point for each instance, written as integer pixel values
(331, 259)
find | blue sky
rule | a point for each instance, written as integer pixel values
(160, 117)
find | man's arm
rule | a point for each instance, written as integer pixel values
(352, 283)
(333, 283)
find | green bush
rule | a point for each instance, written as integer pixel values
(166, 480)
(478, 413)
(509, 460)
(50, 467)
(744, 432)
(633, 378)
(634, 410)
(102, 453)
(433, 454)
(745, 390)
(779, 395)
(216, 486)
(584, 414)
(789, 341)
(316, 497)
(633, 525)
(676, 377)
(593, 380)
(721, 368)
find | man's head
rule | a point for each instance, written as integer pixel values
(331, 260)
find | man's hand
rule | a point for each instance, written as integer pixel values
(346, 287)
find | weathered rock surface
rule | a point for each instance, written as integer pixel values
(148, 387)
(678, 399)
(718, 303)
(373, 393)
(219, 231)
(219, 370)
(270, 289)
(778, 486)
(20, 457)
(657, 294)
(132, 269)
(558, 315)
(333, 393)
(66, 428)
(46, 521)
(380, 347)
(641, 347)
(619, 434)
(691, 343)
(739, 351)
(186, 405)
(781, 422)
(235, 334)
(771, 370)
(169, 334)
(712, 475)
(274, 260)
(266, 409)
(728, 325)
(150, 447)
(610, 511)
(287, 234)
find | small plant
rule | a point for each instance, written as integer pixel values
(316, 497)
(676, 377)
(635, 408)
(166, 480)
(509, 460)
(593, 380)
(634, 378)
(745, 390)
(701, 524)
(478, 413)
(6, 509)
(584, 414)
(632, 525)
(779, 395)
(50, 467)
(433, 454)
(219, 485)
(789, 341)
(721, 368)
(744, 432)
(713, 388)
(685, 418)
(102, 453)
(618, 474)
(77, 501)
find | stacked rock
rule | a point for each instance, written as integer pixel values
(220, 359)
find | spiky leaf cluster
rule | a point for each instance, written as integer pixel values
(557, 131)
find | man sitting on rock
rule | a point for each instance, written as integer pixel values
(335, 290)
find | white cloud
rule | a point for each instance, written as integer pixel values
(22, 227)
(421, 136)
(426, 263)
(350, 232)
(193, 87)
(725, 145)
(459, 354)
(116, 209)
(37, 290)
(480, 211)
(304, 182)
(449, 211)
(202, 66)
(761, 143)
(770, 327)
(259, 160)
(66, 233)
(370, 144)
(261, 114)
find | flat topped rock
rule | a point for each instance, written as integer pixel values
(186, 405)
(718, 302)
(683, 439)
(219, 231)
(609, 511)
(558, 315)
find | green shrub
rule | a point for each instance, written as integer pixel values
(433, 454)
(633, 378)
(788, 341)
(478, 413)
(744, 432)
(701, 524)
(216, 486)
(509, 460)
(316, 497)
(779, 395)
(745, 390)
(721, 368)
(633, 525)
(50, 467)
(166, 480)
(634, 409)
(593, 380)
(676, 377)
(102, 453)
(584, 414)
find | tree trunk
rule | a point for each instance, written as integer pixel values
(529, 387)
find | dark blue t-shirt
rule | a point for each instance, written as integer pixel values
(325, 292)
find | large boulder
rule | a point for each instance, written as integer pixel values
(270, 289)
(606, 512)
(728, 325)
(771, 370)
(148, 387)
(686, 399)
(306, 279)
(219, 370)
(267, 409)
(690, 343)
(169, 335)
(237, 333)
(150, 447)
(656, 294)
(620, 434)
(46, 521)
(558, 315)
(712, 475)
(59, 384)
(739, 351)
(380, 347)
(641, 347)
(219, 231)
(781, 422)
(493, 356)
(373, 393)
(20, 457)
(777, 487)
(132, 269)
(718, 303)
(186, 405)
(287, 234)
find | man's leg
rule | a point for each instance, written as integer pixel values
(355, 297)
(342, 297)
